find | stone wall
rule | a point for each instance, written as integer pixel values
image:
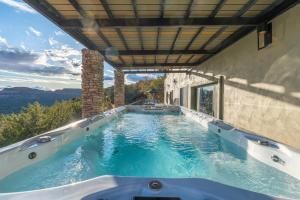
(92, 82)
(261, 88)
(119, 91)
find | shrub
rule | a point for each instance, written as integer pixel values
(36, 119)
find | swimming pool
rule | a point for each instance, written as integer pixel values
(153, 145)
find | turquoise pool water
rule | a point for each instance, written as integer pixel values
(153, 146)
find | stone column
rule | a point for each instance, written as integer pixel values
(119, 98)
(92, 82)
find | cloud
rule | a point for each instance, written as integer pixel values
(108, 78)
(138, 77)
(62, 61)
(34, 69)
(65, 56)
(147, 76)
(63, 51)
(110, 71)
(34, 31)
(58, 33)
(19, 79)
(52, 42)
(17, 56)
(133, 78)
(18, 5)
(17, 60)
(56, 67)
(3, 42)
(23, 46)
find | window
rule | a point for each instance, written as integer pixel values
(205, 99)
(194, 98)
(171, 97)
(184, 96)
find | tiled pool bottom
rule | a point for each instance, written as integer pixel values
(150, 145)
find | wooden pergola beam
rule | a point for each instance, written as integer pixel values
(161, 22)
(217, 8)
(161, 52)
(153, 71)
(245, 8)
(156, 68)
(141, 65)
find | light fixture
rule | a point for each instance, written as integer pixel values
(264, 35)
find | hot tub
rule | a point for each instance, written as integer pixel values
(118, 153)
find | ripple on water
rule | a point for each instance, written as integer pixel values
(154, 146)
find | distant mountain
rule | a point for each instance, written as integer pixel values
(15, 98)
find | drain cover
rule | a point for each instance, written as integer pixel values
(155, 185)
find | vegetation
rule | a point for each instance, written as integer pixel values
(36, 119)
(151, 89)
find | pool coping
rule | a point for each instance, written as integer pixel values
(117, 187)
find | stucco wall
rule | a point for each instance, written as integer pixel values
(262, 88)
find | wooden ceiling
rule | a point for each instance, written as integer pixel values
(159, 34)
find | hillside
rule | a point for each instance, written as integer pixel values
(14, 99)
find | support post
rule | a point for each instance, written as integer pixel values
(119, 89)
(221, 97)
(92, 83)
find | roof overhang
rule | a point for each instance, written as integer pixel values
(157, 34)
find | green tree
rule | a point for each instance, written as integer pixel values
(36, 119)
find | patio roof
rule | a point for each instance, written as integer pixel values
(160, 35)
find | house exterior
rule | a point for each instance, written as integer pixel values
(257, 90)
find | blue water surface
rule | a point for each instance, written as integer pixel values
(149, 145)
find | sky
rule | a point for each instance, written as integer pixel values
(36, 53)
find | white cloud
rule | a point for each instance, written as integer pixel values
(42, 60)
(3, 41)
(17, 79)
(18, 5)
(64, 51)
(34, 31)
(23, 46)
(110, 71)
(58, 33)
(58, 61)
(132, 78)
(147, 76)
(58, 67)
(52, 42)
